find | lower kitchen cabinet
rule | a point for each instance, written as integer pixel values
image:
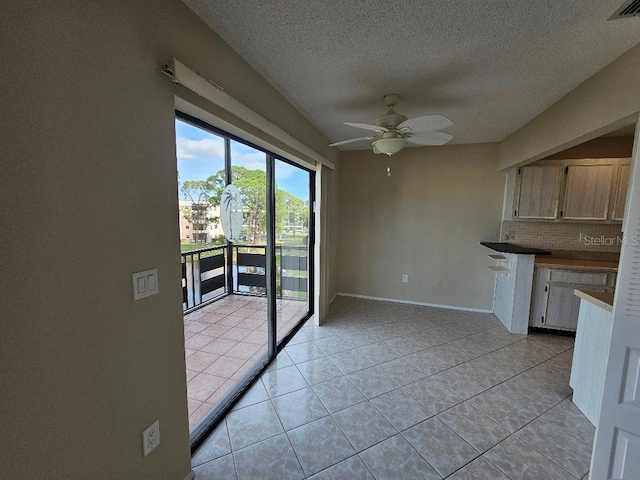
(553, 303)
(562, 307)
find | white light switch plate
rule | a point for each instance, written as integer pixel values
(145, 283)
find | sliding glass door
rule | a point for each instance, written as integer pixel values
(250, 288)
(244, 292)
(293, 197)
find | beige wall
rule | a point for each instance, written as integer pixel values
(606, 101)
(88, 155)
(426, 220)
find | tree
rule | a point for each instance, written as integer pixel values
(199, 192)
(290, 210)
(252, 185)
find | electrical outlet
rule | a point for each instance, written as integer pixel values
(439, 282)
(405, 278)
(151, 438)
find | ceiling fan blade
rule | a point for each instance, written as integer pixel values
(429, 138)
(353, 140)
(426, 123)
(367, 126)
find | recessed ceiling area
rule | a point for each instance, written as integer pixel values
(489, 66)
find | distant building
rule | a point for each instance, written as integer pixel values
(194, 230)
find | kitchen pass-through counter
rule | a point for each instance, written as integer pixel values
(534, 288)
(514, 278)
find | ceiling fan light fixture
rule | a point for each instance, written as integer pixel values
(389, 146)
(394, 130)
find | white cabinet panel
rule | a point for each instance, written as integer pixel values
(539, 192)
(590, 355)
(621, 192)
(539, 297)
(587, 192)
(562, 307)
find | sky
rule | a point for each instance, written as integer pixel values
(201, 154)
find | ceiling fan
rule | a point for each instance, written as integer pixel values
(394, 130)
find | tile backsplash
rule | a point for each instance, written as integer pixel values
(588, 237)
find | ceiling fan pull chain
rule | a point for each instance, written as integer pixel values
(388, 171)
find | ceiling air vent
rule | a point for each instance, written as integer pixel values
(630, 8)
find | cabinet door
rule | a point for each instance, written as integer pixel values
(587, 192)
(539, 192)
(562, 307)
(621, 192)
(538, 296)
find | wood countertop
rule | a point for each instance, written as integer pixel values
(600, 299)
(576, 264)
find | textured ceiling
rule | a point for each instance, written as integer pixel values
(491, 66)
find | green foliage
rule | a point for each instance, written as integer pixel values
(252, 184)
(290, 210)
(198, 191)
(219, 240)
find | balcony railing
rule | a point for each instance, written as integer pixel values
(206, 273)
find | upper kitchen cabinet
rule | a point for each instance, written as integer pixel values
(583, 190)
(587, 192)
(539, 191)
(620, 198)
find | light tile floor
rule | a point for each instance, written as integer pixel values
(391, 391)
(224, 340)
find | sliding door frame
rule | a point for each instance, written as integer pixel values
(272, 310)
(209, 422)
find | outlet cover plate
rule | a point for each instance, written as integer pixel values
(151, 437)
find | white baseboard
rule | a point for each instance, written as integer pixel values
(190, 476)
(423, 304)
